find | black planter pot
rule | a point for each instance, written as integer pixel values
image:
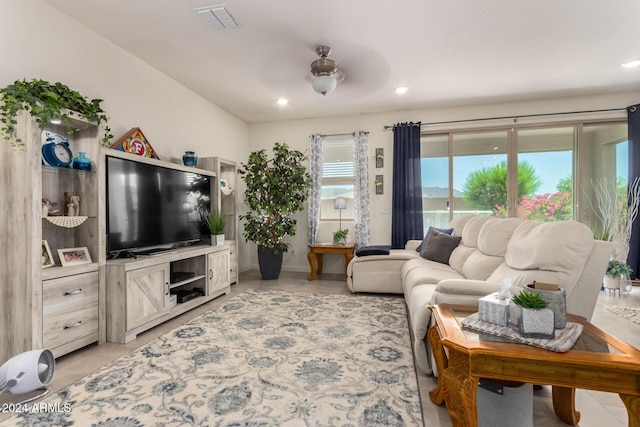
(270, 264)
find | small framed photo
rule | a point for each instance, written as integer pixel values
(47, 259)
(74, 256)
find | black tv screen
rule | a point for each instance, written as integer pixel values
(150, 206)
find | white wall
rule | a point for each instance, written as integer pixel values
(37, 41)
(296, 134)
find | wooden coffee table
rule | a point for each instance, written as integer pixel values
(598, 361)
(317, 251)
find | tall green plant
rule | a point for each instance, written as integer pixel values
(486, 188)
(45, 102)
(276, 188)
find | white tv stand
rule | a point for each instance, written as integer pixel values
(139, 289)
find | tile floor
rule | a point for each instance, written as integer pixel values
(597, 409)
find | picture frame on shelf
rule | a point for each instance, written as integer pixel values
(74, 256)
(47, 258)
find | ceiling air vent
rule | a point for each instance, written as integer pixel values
(217, 16)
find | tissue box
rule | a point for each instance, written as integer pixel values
(491, 309)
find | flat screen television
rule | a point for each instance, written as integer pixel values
(153, 207)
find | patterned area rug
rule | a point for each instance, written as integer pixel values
(264, 358)
(629, 313)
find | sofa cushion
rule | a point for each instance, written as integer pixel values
(471, 230)
(459, 256)
(495, 235)
(373, 250)
(459, 223)
(429, 273)
(561, 246)
(427, 234)
(439, 246)
(479, 266)
(550, 252)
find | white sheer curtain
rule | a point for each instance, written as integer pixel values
(361, 187)
(316, 148)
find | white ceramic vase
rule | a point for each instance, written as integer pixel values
(217, 239)
(612, 283)
(536, 323)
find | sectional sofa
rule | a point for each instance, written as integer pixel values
(486, 251)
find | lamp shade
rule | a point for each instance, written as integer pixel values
(341, 203)
(324, 84)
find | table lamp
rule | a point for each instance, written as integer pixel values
(341, 203)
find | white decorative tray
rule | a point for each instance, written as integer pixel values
(66, 221)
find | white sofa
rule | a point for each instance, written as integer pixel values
(490, 250)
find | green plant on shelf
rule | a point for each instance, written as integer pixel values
(46, 102)
(215, 222)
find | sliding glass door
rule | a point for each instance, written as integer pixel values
(535, 173)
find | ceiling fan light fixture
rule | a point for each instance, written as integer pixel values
(326, 75)
(324, 84)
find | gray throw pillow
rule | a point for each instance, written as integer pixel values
(426, 236)
(439, 246)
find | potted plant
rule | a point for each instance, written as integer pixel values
(532, 315)
(616, 207)
(215, 222)
(340, 237)
(276, 188)
(47, 102)
(616, 271)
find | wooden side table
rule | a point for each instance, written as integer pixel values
(317, 251)
(598, 361)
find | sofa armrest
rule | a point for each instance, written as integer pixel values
(411, 245)
(462, 291)
(467, 287)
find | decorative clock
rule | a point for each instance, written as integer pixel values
(56, 151)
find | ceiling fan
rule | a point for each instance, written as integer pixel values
(326, 74)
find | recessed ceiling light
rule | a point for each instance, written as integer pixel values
(632, 64)
(401, 89)
(282, 101)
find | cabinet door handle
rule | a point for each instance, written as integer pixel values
(75, 325)
(210, 274)
(168, 288)
(76, 292)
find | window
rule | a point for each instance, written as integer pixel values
(538, 174)
(337, 178)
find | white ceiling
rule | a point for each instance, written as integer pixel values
(449, 52)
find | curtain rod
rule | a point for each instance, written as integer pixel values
(515, 118)
(341, 134)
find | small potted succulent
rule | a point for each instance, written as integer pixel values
(532, 315)
(215, 222)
